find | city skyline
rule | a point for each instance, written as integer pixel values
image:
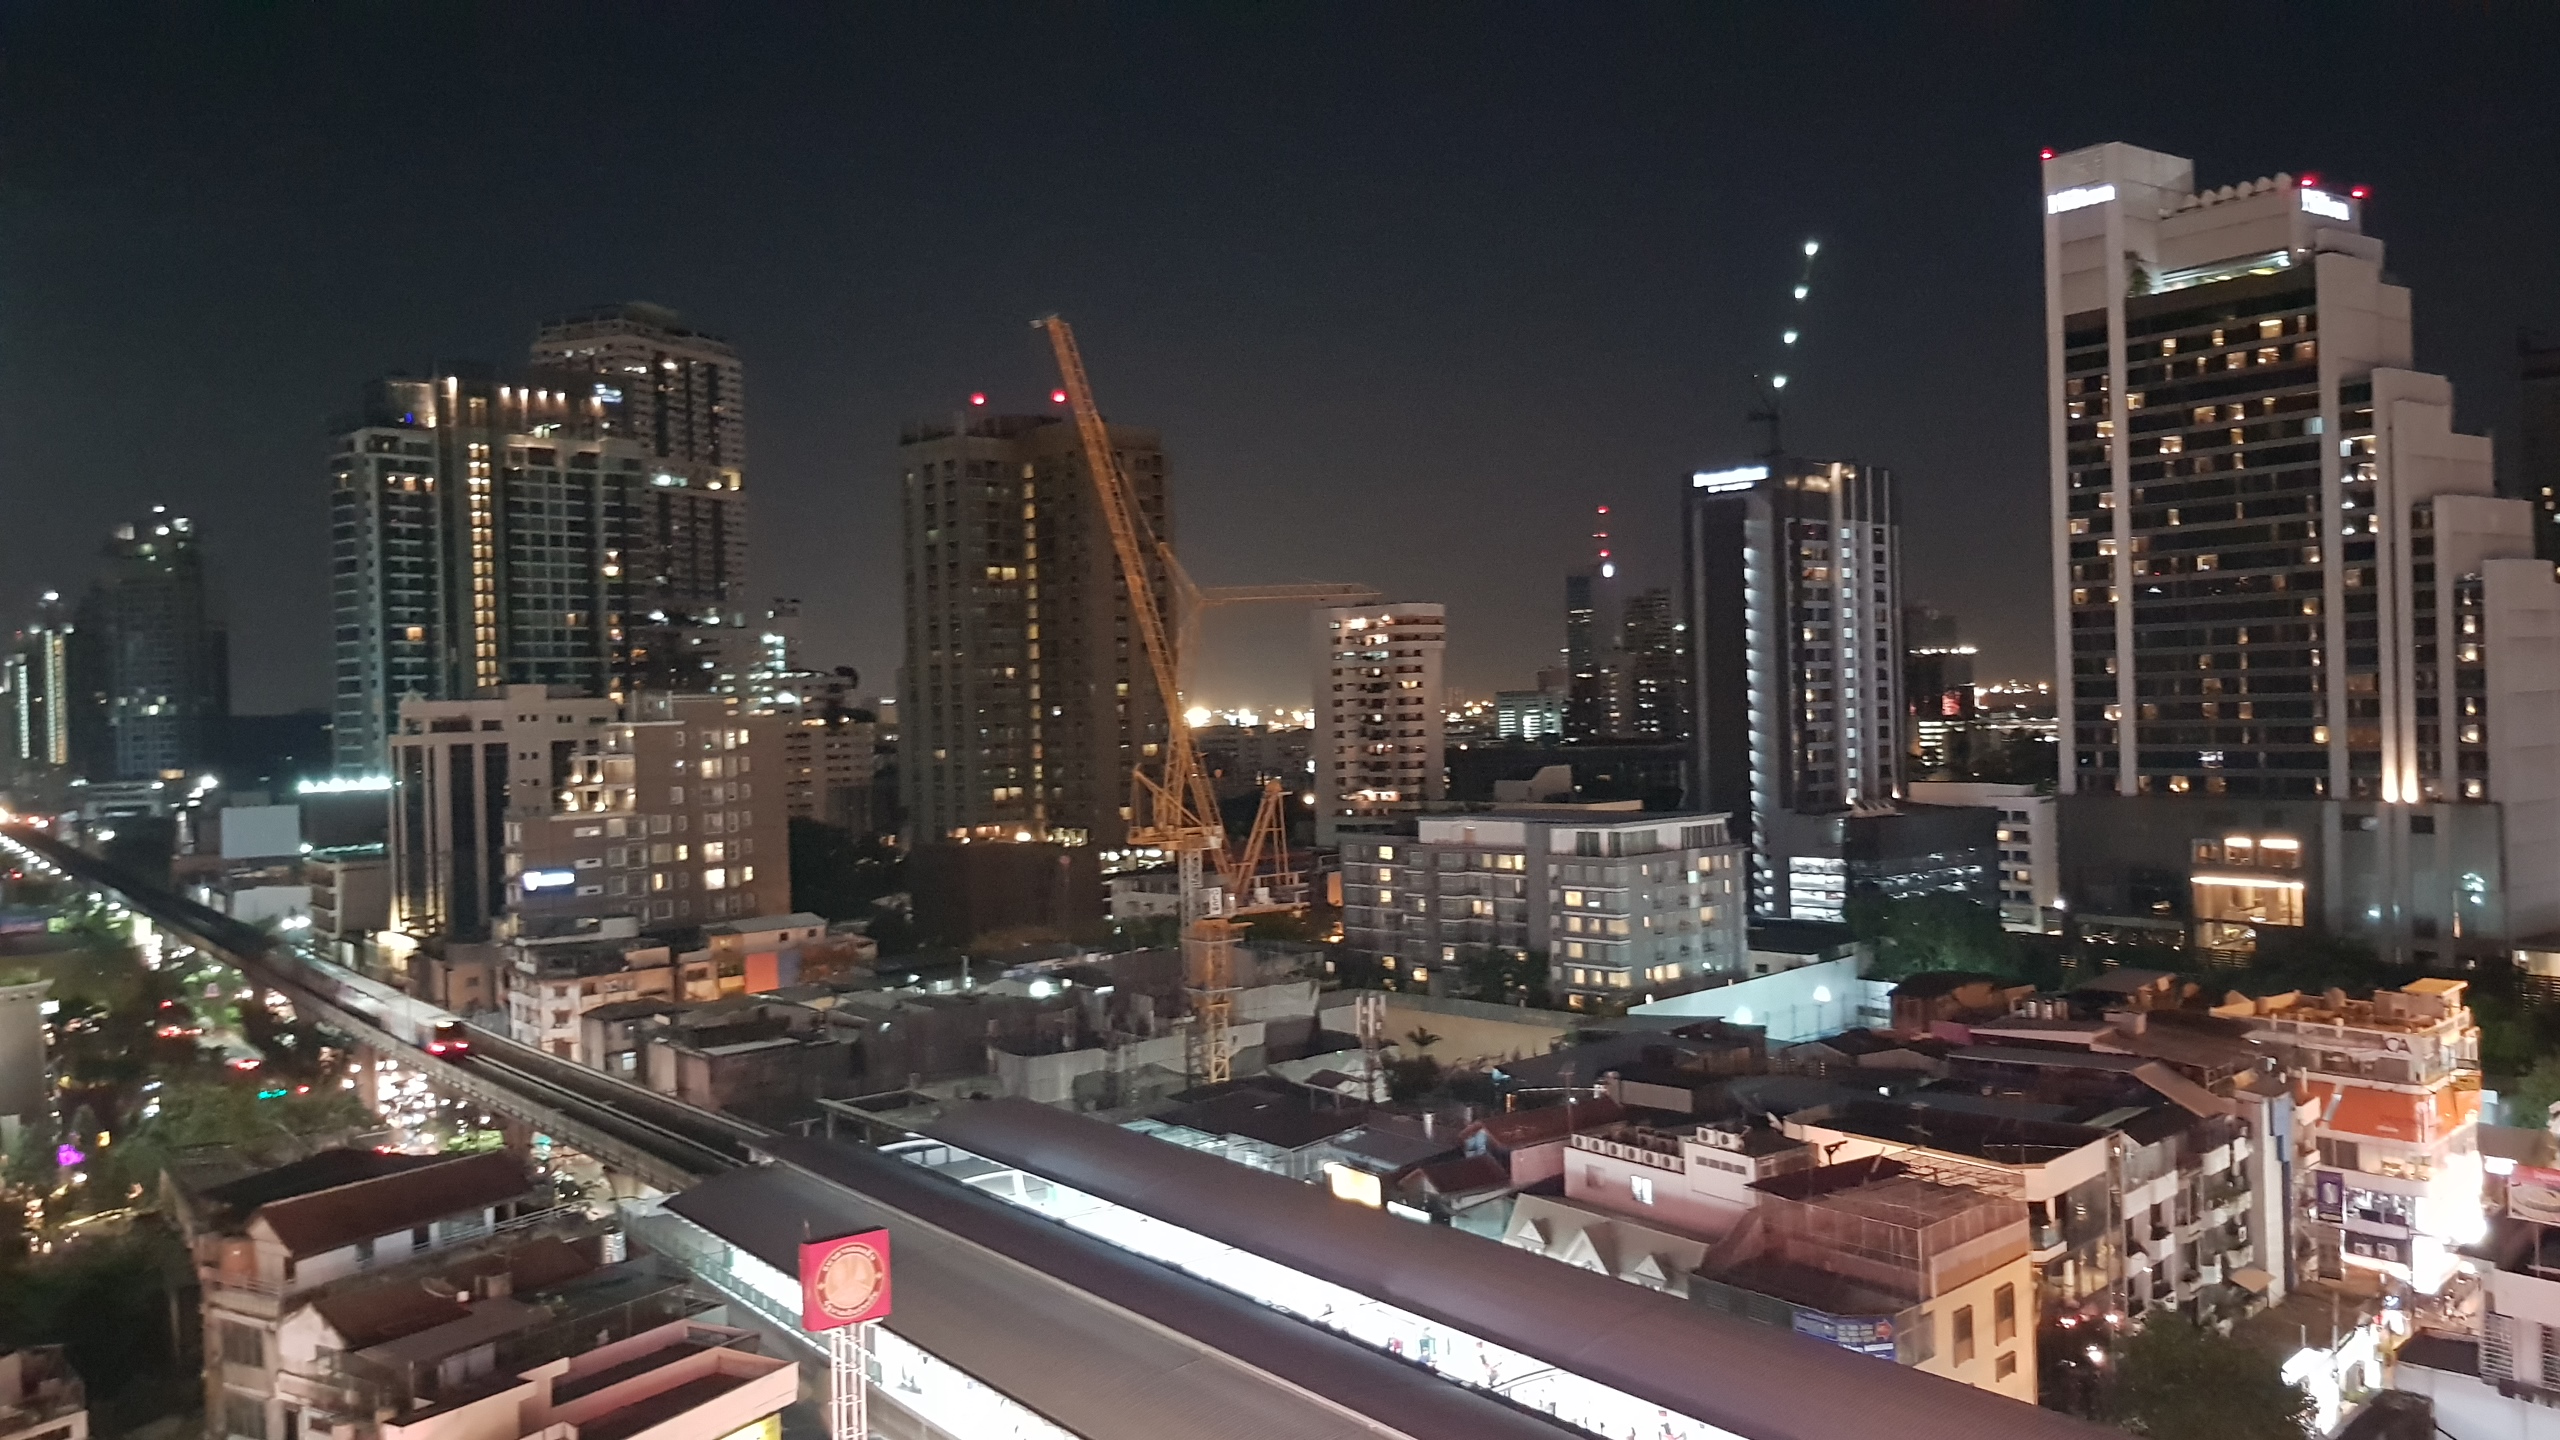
(1555, 301)
(2016, 838)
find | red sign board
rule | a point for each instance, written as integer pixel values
(2533, 1193)
(844, 1281)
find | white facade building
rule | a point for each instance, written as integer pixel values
(1626, 905)
(2284, 577)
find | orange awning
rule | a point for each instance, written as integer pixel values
(2391, 1114)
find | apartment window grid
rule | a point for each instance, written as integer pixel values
(2221, 553)
(1022, 689)
(2448, 660)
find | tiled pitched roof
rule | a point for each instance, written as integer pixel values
(325, 1220)
(1549, 1123)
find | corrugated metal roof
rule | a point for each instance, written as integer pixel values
(1758, 1382)
(326, 1220)
(1093, 1338)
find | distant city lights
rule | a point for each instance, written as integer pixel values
(1248, 717)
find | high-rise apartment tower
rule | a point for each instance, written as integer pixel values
(1653, 669)
(490, 533)
(150, 672)
(682, 393)
(1026, 699)
(35, 694)
(1378, 747)
(1793, 596)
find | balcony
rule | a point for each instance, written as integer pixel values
(1639, 1147)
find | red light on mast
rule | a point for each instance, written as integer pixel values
(2309, 182)
(2359, 192)
(1057, 397)
(977, 397)
(2044, 154)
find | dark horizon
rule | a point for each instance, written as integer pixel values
(1406, 298)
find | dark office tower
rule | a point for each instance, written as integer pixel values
(490, 533)
(1653, 669)
(2537, 474)
(148, 667)
(1792, 592)
(1590, 699)
(1937, 685)
(1025, 698)
(35, 696)
(682, 393)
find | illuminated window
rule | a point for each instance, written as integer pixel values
(2247, 899)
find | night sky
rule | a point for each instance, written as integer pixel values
(1408, 288)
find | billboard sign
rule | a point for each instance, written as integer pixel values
(844, 1281)
(2533, 1193)
(2328, 1194)
(2380, 1249)
(1865, 1334)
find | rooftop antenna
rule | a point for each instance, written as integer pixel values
(1773, 382)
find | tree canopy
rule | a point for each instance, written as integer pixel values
(837, 873)
(2178, 1379)
(1937, 931)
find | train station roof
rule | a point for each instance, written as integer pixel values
(1753, 1380)
(1095, 1339)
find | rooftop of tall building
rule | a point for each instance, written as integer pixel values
(636, 314)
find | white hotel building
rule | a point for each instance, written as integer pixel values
(2291, 617)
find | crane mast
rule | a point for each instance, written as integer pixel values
(1174, 808)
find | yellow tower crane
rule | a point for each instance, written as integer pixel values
(1175, 808)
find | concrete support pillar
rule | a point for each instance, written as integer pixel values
(368, 1076)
